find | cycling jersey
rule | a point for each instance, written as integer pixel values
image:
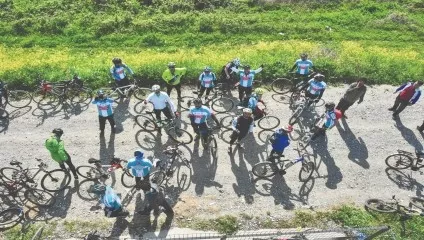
(206, 80)
(200, 115)
(303, 66)
(160, 102)
(173, 79)
(111, 200)
(253, 103)
(140, 167)
(118, 72)
(316, 87)
(243, 124)
(104, 106)
(57, 149)
(280, 141)
(409, 93)
(330, 119)
(246, 80)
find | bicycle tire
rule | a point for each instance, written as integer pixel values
(401, 163)
(293, 119)
(112, 94)
(3, 113)
(8, 172)
(308, 169)
(295, 97)
(281, 85)
(158, 177)
(268, 122)
(141, 93)
(84, 188)
(187, 102)
(19, 98)
(227, 121)
(179, 135)
(222, 105)
(127, 179)
(213, 145)
(7, 190)
(89, 172)
(80, 96)
(11, 217)
(417, 202)
(39, 197)
(263, 169)
(64, 176)
(379, 205)
(146, 123)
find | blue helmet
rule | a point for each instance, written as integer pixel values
(138, 153)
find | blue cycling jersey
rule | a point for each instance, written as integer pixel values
(140, 167)
(281, 141)
(111, 200)
(200, 115)
(303, 66)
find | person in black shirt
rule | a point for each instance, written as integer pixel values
(241, 126)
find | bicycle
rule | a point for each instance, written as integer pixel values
(15, 98)
(117, 92)
(147, 122)
(210, 143)
(92, 236)
(266, 122)
(302, 104)
(315, 129)
(48, 181)
(404, 159)
(394, 206)
(217, 101)
(11, 217)
(285, 85)
(274, 165)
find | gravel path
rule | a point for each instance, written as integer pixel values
(350, 160)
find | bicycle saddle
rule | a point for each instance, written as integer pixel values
(148, 112)
(419, 152)
(14, 163)
(92, 160)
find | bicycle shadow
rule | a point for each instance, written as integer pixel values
(148, 140)
(44, 113)
(63, 202)
(243, 186)
(19, 112)
(121, 113)
(408, 135)
(277, 188)
(405, 181)
(4, 123)
(358, 151)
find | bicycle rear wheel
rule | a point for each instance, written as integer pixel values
(179, 135)
(145, 122)
(379, 205)
(268, 122)
(141, 93)
(85, 190)
(213, 146)
(9, 172)
(281, 85)
(227, 121)
(417, 202)
(399, 161)
(39, 197)
(222, 104)
(295, 117)
(158, 177)
(263, 169)
(56, 180)
(89, 172)
(10, 217)
(19, 98)
(79, 96)
(127, 179)
(306, 171)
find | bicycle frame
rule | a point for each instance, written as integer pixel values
(41, 168)
(417, 159)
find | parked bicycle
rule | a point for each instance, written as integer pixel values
(267, 122)
(292, 84)
(302, 103)
(414, 208)
(216, 101)
(148, 122)
(127, 91)
(52, 181)
(404, 159)
(11, 217)
(275, 165)
(315, 129)
(15, 98)
(210, 143)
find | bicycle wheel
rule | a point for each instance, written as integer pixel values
(89, 172)
(380, 206)
(114, 95)
(306, 171)
(263, 169)
(188, 102)
(293, 119)
(39, 197)
(84, 190)
(179, 135)
(9, 172)
(47, 99)
(158, 177)
(213, 147)
(296, 97)
(268, 122)
(3, 113)
(80, 96)
(227, 121)
(9, 188)
(141, 93)
(417, 202)
(10, 217)
(281, 85)
(55, 180)
(19, 98)
(222, 104)
(145, 122)
(399, 161)
(127, 179)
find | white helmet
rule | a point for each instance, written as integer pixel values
(155, 88)
(247, 110)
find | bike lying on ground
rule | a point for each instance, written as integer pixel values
(11, 217)
(414, 208)
(217, 101)
(404, 159)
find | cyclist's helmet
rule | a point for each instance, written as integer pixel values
(330, 106)
(116, 60)
(207, 69)
(100, 93)
(236, 62)
(247, 110)
(197, 102)
(319, 77)
(259, 91)
(155, 88)
(98, 189)
(303, 55)
(171, 65)
(58, 132)
(138, 153)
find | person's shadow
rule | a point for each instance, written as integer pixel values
(408, 135)
(244, 186)
(121, 113)
(358, 151)
(106, 153)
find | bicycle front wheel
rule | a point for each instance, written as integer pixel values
(9, 172)
(46, 99)
(399, 161)
(85, 190)
(39, 197)
(293, 119)
(127, 179)
(306, 171)
(223, 104)
(180, 135)
(263, 169)
(380, 206)
(89, 172)
(281, 85)
(80, 96)
(227, 121)
(19, 98)
(141, 93)
(145, 122)
(55, 180)
(268, 122)
(10, 217)
(213, 146)
(158, 177)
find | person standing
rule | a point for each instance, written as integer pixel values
(206, 82)
(56, 147)
(280, 140)
(161, 103)
(199, 115)
(172, 77)
(140, 167)
(155, 198)
(409, 95)
(355, 91)
(246, 80)
(302, 67)
(104, 107)
(241, 126)
(118, 72)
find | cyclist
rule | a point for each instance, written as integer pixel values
(118, 72)
(280, 140)
(409, 94)
(161, 103)
(356, 91)
(104, 107)
(198, 116)
(140, 167)
(241, 126)
(110, 200)
(155, 198)
(315, 88)
(172, 77)
(206, 82)
(227, 70)
(302, 67)
(254, 99)
(246, 80)
(56, 147)
(330, 118)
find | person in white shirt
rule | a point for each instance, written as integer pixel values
(161, 103)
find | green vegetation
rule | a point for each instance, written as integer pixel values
(53, 39)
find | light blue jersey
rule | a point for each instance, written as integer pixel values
(104, 107)
(118, 72)
(316, 87)
(207, 80)
(330, 119)
(303, 66)
(246, 80)
(111, 200)
(200, 115)
(140, 167)
(253, 102)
